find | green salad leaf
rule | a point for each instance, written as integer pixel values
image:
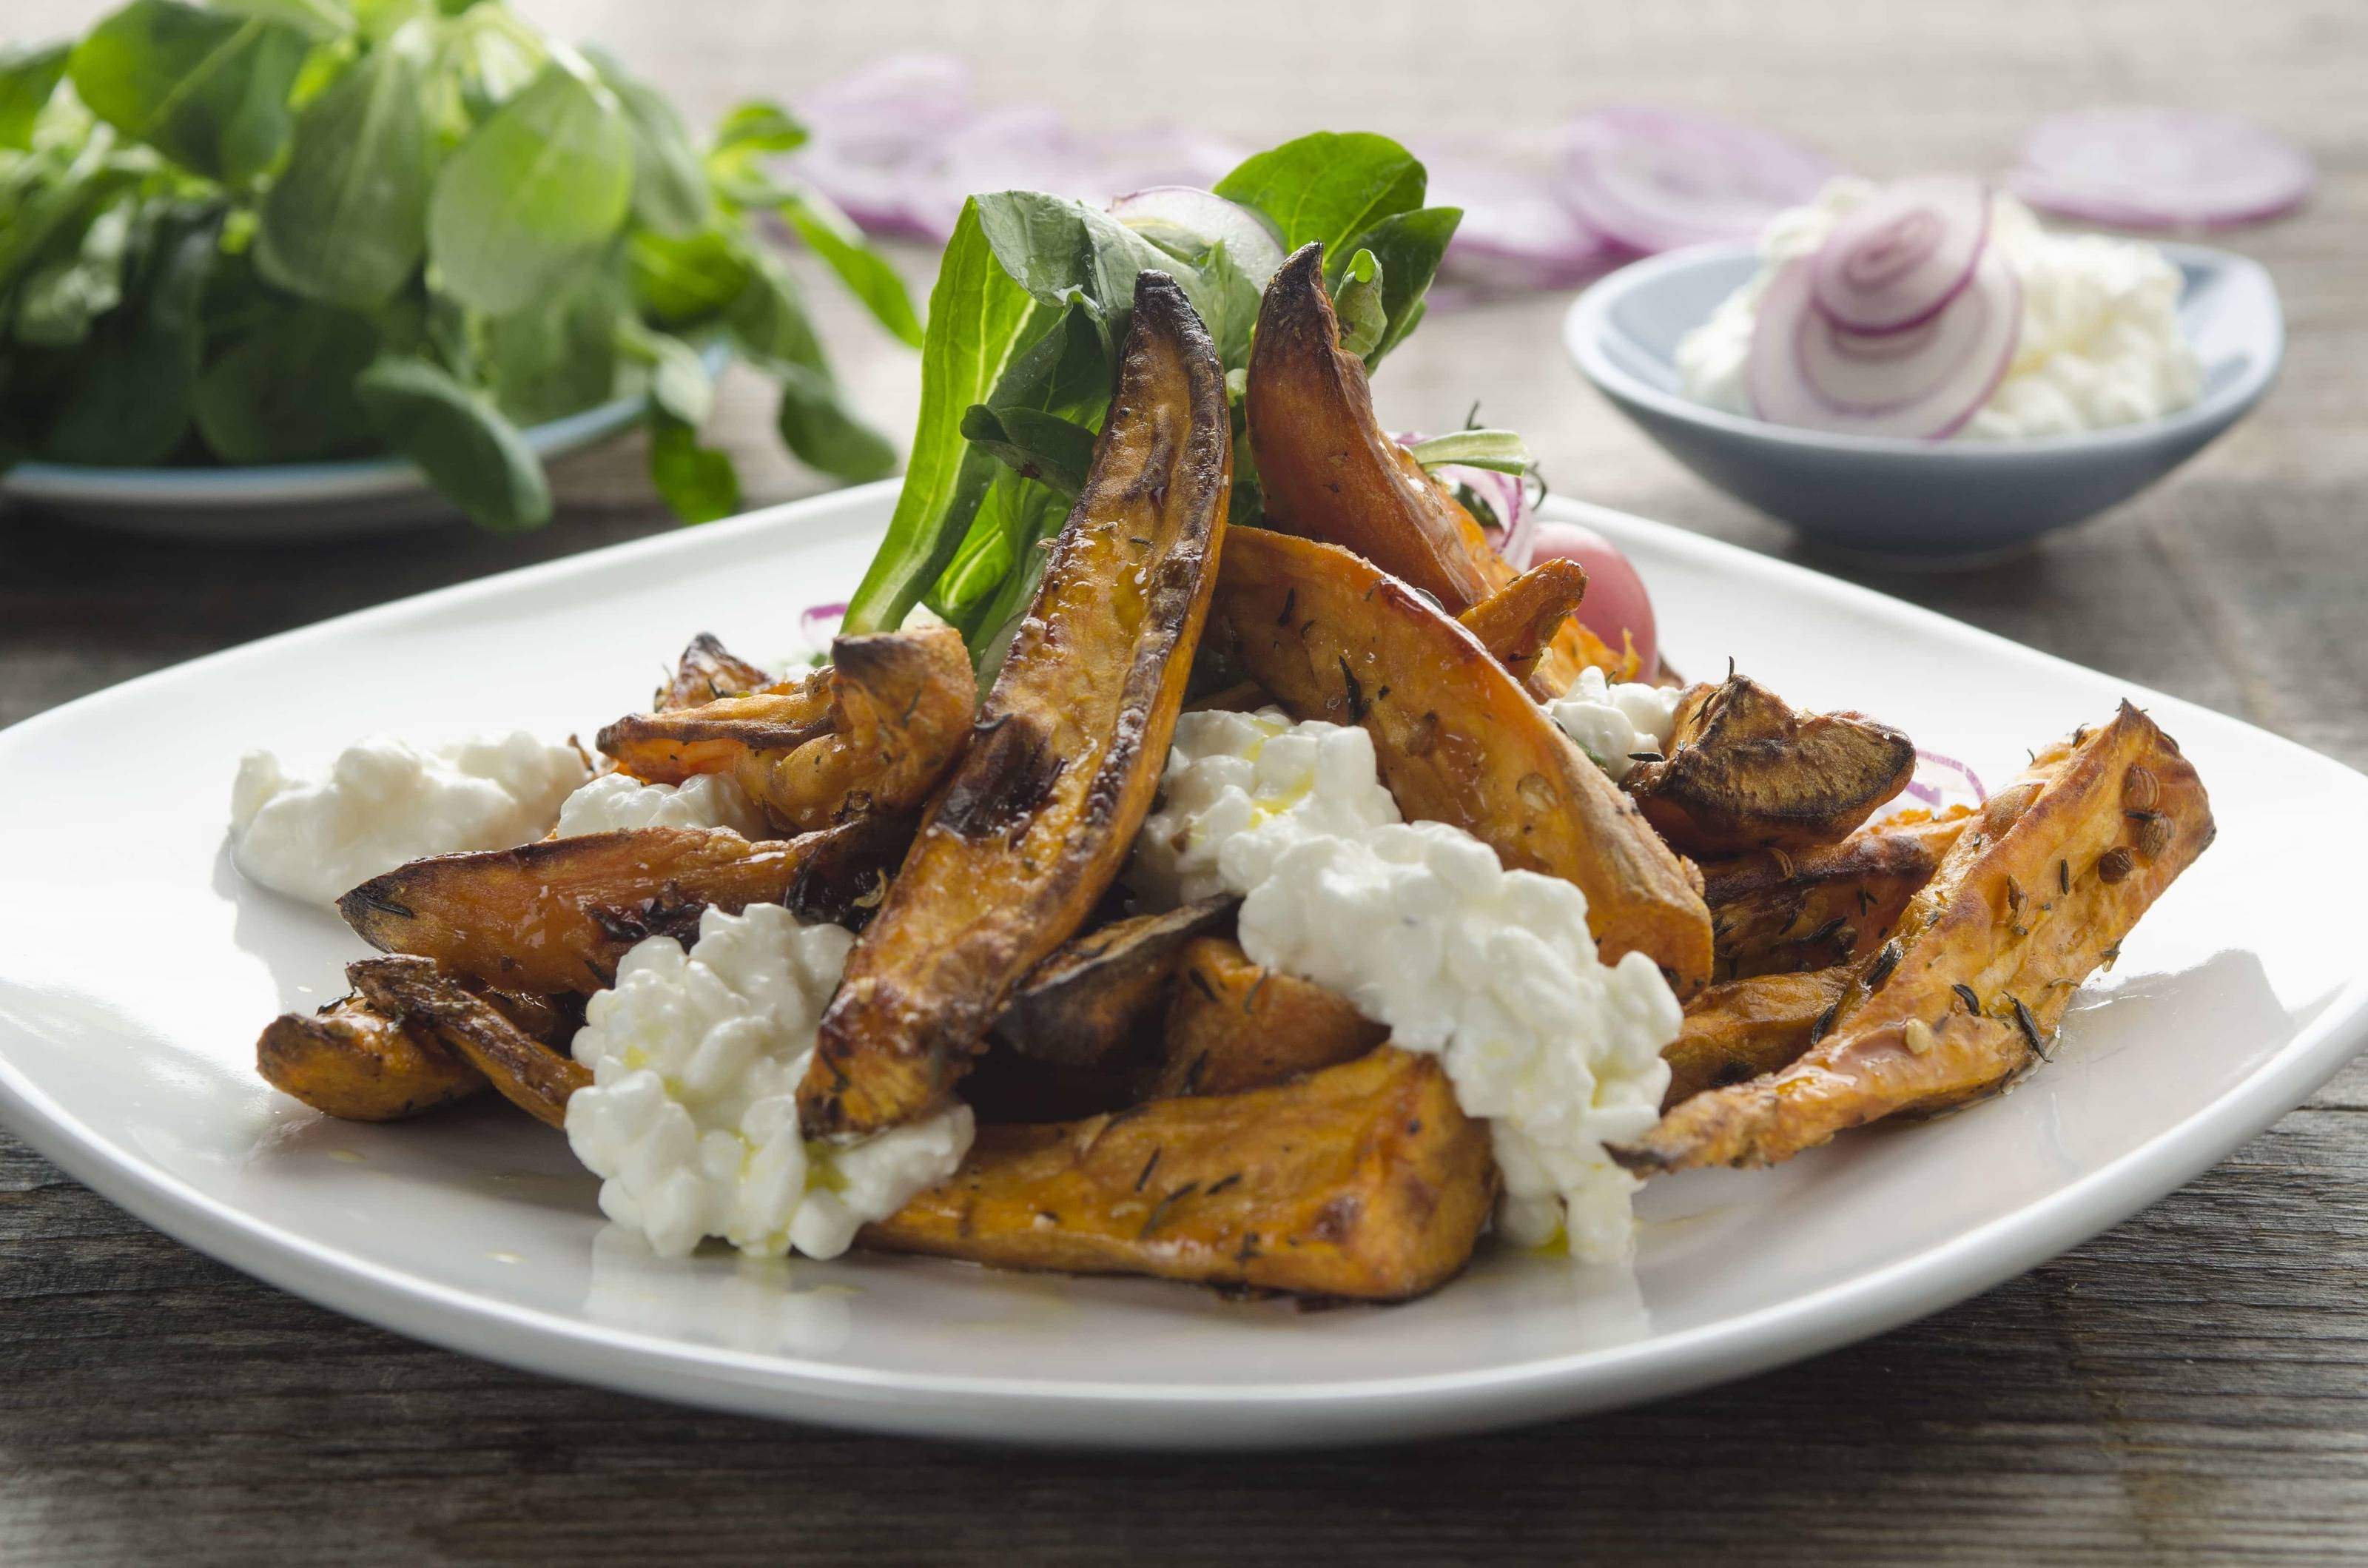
(545, 182)
(346, 223)
(1020, 354)
(274, 231)
(207, 89)
(457, 436)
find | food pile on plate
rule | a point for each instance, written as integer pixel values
(1265, 882)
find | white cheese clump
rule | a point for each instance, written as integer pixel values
(616, 801)
(1613, 722)
(1492, 971)
(384, 802)
(691, 1119)
(1228, 772)
(2102, 340)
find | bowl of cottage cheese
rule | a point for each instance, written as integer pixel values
(2041, 377)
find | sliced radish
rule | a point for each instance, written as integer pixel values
(1897, 261)
(1616, 608)
(1924, 382)
(2161, 168)
(1187, 219)
(1652, 179)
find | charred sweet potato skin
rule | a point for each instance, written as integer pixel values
(1365, 1180)
(555, 917)
(1739, 1029)
(522, 1070)
(706, 671)
(1777, 912)
(1233, 1025)
(1333, 637)
(358, 1064)
(1747, 772)
(1089, 1002)
(874, 731)
(1329, 471)
(1060, 770)
(2037, 892)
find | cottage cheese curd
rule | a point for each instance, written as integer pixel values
(2101, 342)
(1613, 722)
(691, 1119)
(383, 802)
(616, 801)
(1494, 971)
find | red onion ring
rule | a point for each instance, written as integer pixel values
(1897, 261)
(1514, 523)
(1926, 382)
(2160, 169)
(1932, 794)
(1652, 179)
(1518, 233)
(817, 624)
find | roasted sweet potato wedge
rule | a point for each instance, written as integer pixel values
(872, 732)
(1740, 1029)
(1776, 912)
(1745, 772)
(361, 1065)
(1333, 637)
(706, 671)
(1519, 621)
(523, 1071)
(1363, 1180)
(2037, 892)
(1233, 1025)
(1044, 805)
(555, 917)
(1088, 1002)
(1329, 471)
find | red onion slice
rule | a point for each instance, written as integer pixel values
(1937, 778)
(817, 624)
(1898, 260)
(1652, 179)
(1925, 381)
(1517, 233)
(1188, 220)
(2161, 168)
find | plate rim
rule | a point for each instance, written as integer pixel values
(1169, 1415)
(1586, 328)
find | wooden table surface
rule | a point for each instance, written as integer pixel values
(2191, 1386)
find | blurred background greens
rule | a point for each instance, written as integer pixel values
(262, 232)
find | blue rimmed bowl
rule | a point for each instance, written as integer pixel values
(1935, 503)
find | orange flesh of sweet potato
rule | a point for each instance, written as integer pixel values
(555, 917)
(1329, 471)
(1363, 1180)
(1740, 1029)
(2037, 892)
(1334, 638)
(1066, 754)
(875, 731)
(1519, 621)
(1233, 1025)
(1777, 912)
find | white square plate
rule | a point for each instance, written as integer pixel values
(136, 970)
